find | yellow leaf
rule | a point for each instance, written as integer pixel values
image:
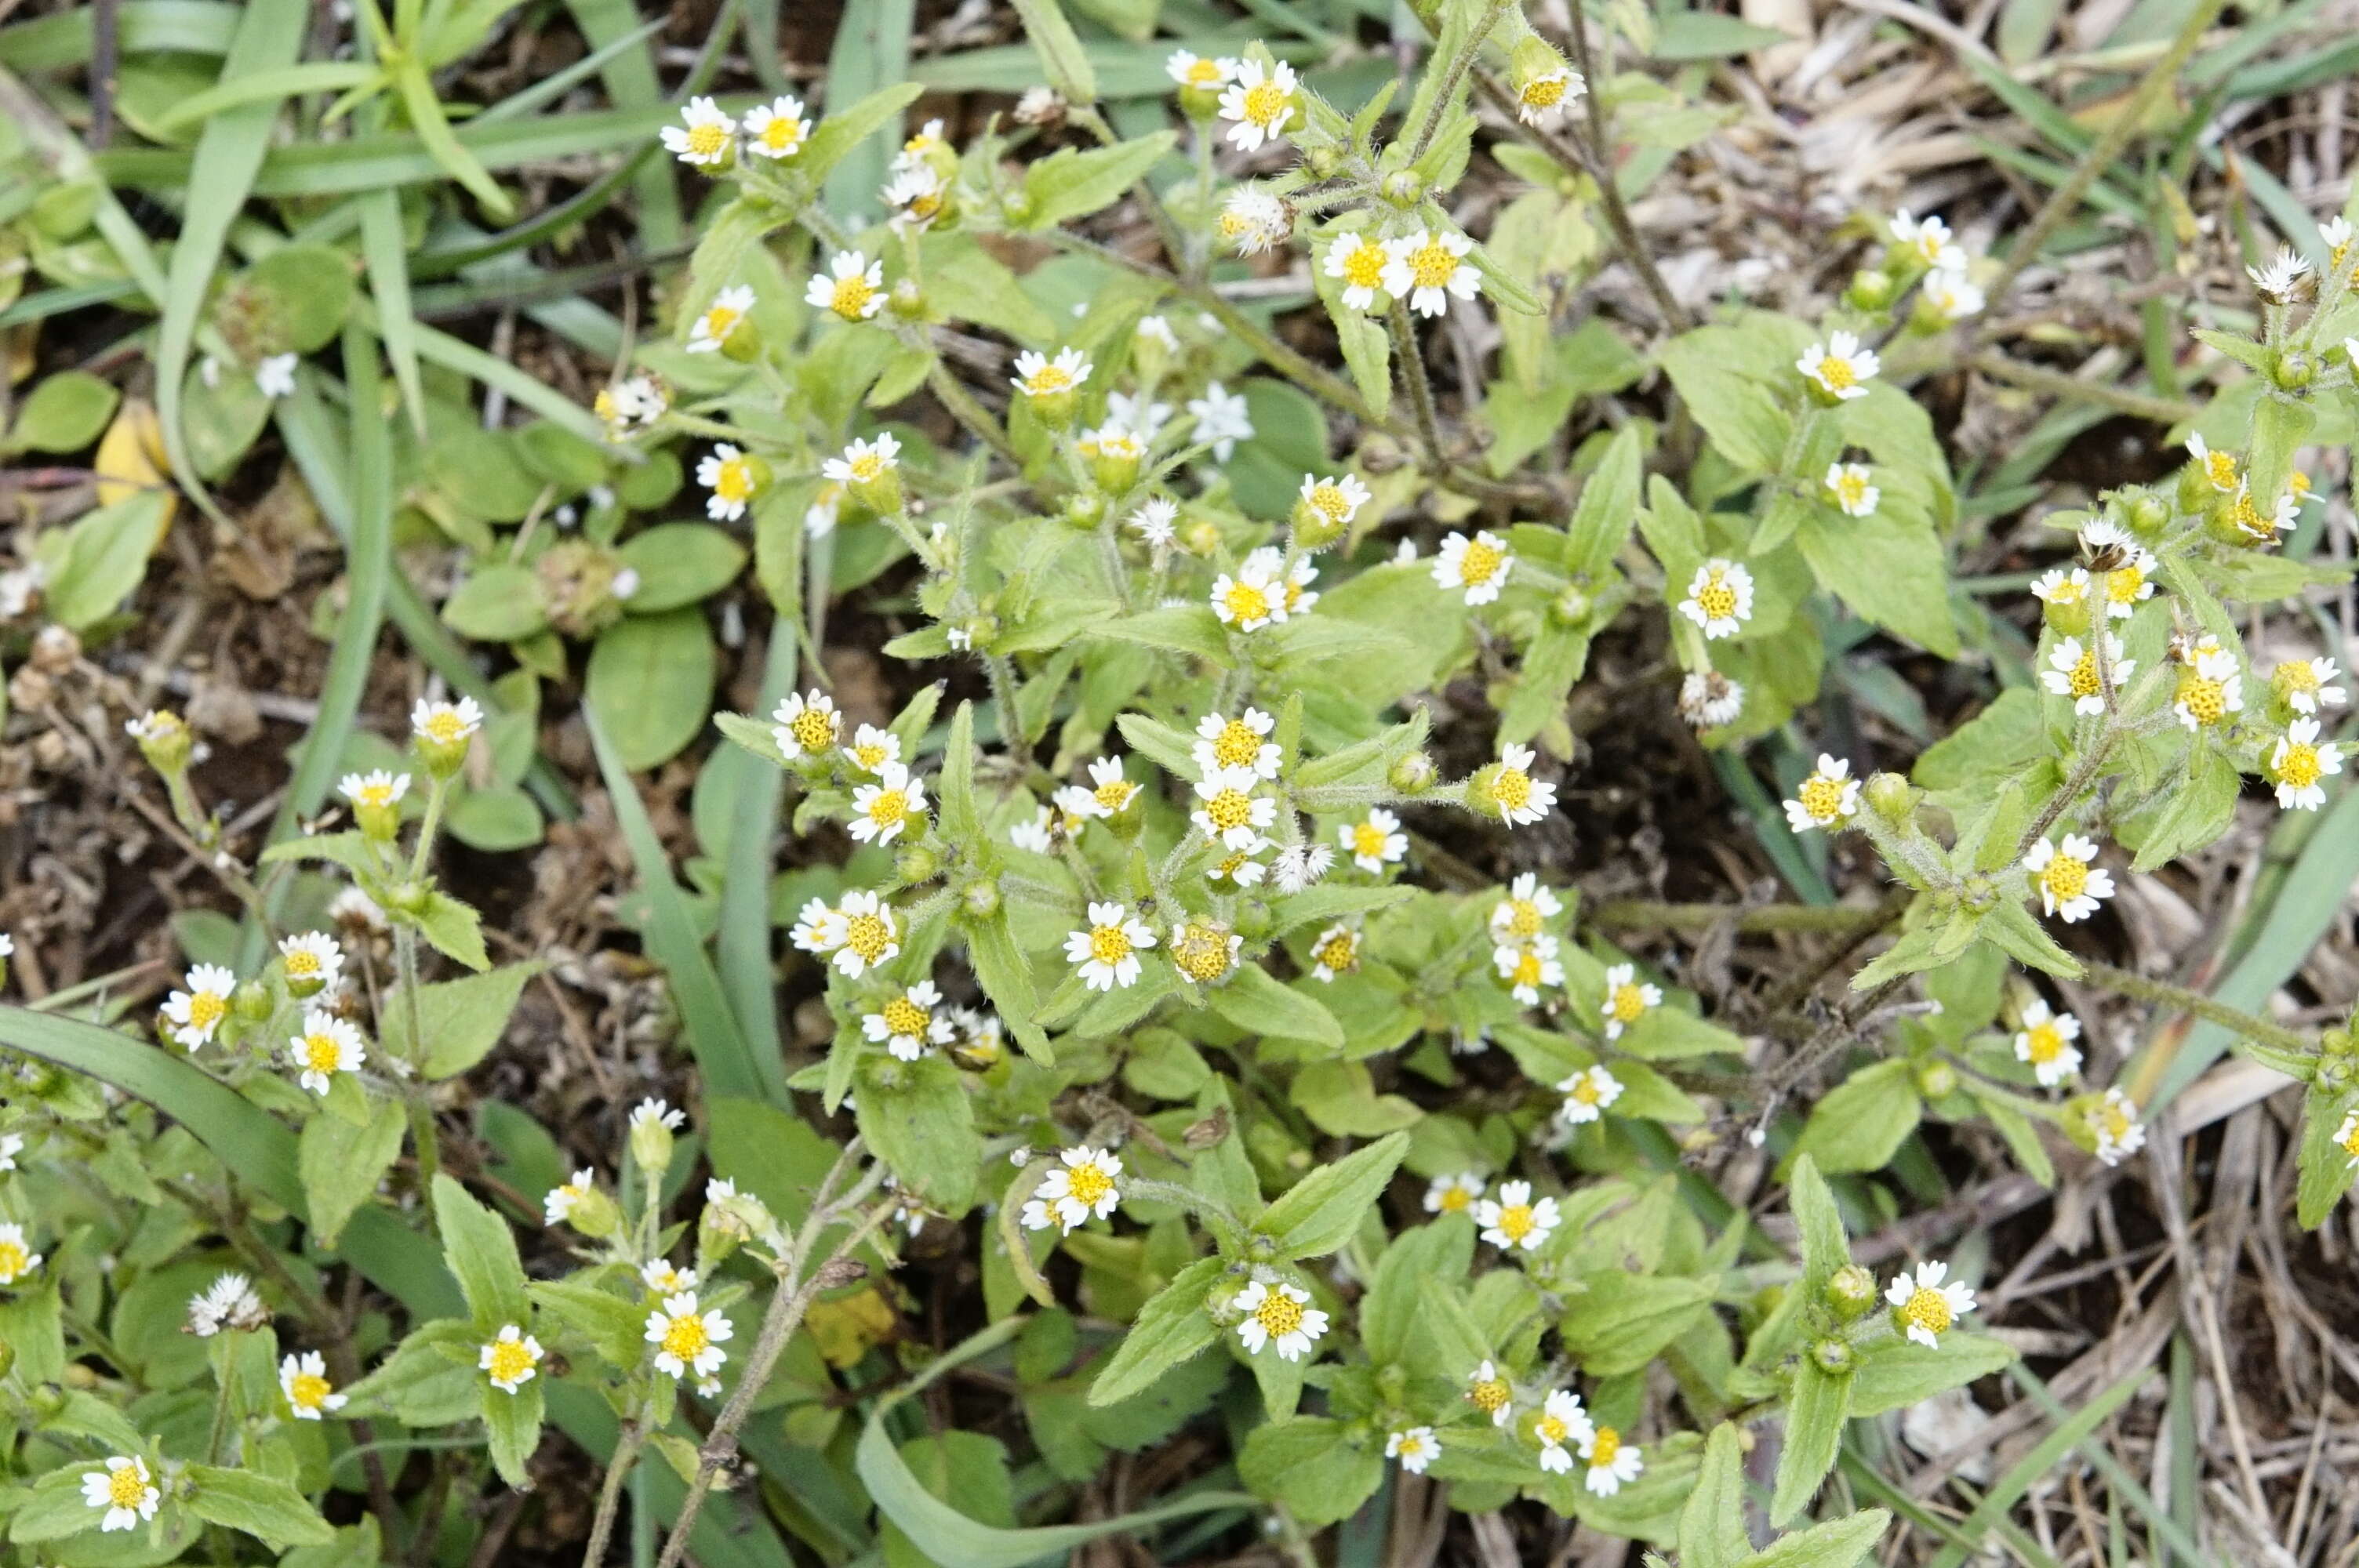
(131, 458)
(846, 1329)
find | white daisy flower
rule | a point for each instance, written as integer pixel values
(195, 1015)
(1720, 597)
(1198, 71)
(930, 139)
(1375, 841)
(1240, 742)
(1223, 418)
(1249, 600)
(2072, 671)
(703, 137)
(1082, 1185)
(1454, 1194)
(303, 1379)
(2336, 233)
(1293, 581)
(1544, 99)
(1299, 866)
(1628, 999)
(1136, 412)
(1489, 1391)
(1414, 1447)
(2059, 588)
(1109, 794)
(730, 475)
(1230, 812)
(1336, 951)
(1205, 951)
(2296, 764)
(1037, 376)
(852, 286)
(16, 1259)
(1357, 262)
(686, 1338)
(312, 961)
(379, 790)
(1513, 1220)
(863, 461)
(1841, 366)
(1588, 1094)
(777, 129)
(557, 1205)
(1829, 796)
(1515, 795)
(1952, 295)
(1929, 238)
(2045, 1045)
(327, 1047)
(2119, 1133)
(1260, 100)
(654, 1112)
(806, 724)
(826, 507)
(275, 376)
(2307, 685)
(1337, 499)
(1240, 867)
(882, 809)
(1529, 967)
(724, 316)
(446, 724)
(228, 1303)
(1923, 1307)
(512, 1358)
(125, 1490)
(2283, 278)
(2070, 885)
(1157, 522)
(871, 748)
(1479, 566)
(2220, 468)
(1431, 269)
(1561, 1422)
(1254, 220)
(1848, 484)
(871, 935)
(917, 195)
(2211, 687)
(1107, 954)
(2260, 526)
(1612, 1464)
(1520, 916)
(1278, 1315)
(1709, 699)
(909, 1023)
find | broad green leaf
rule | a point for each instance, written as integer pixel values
(840, 132)
(460, 1020)
(1319, 1468)
(1603, 517)
(1838, 1543)
(482, 1254)
(680, 564)
(1859, 1123)
(1172, 1327)
(1258, 1002)
(916, 1117)
(511, 1422)
(1319, 1213)
(1623, 1320)
(455, 930)
(66, 411)
(1712, 1523)
(2325, 1163)
(1825, 1249)
(341, 1164)
(1062, 58)
(650, 678)
(1071, 183)
(94, 564)
(1815, 1411)
(1894, 1373)
(262, 1506)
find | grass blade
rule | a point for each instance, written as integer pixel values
(385, 250)
(744, 945)
(631, 83)
(870, 51)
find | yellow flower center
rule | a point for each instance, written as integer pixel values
(1237, 746)
(2083, 679)
(1368, 840)
(2249, 518)
(718, 320)
(903, 1016)
(1115, 795)
(1339, 952)
(734, 482)
(2297, 765)
(1412, 1447)
(321, 1053)
(868, 935)
(307, 1390)
(1836, 373)
(1629, 1001)
(1527, 970)
(2068, 590)
(14, 1260)
(1603, 1447)
(1512, 788)
(926, 203)
(1490, 1397)
(208, 1008)
(302, 964)
(2066, 878)
(888, 806)
(686, 1337)
(2221, 468)
(813, 728)
(706, 139)
(2349, 1140)
(1229, 809)
(1247, 602)
(1523, 918)
(2116, 1121)
(1587, 1091)
(1431, 265)
(1266, 104)
(126, 1488)
(783, 134)
(1543, 93)
(2297, 676)
(1228, 867)
(870, 757)
(2204, 699)
(1515, 1221)
(1551, 1430)
(1928, 1309)
(1821, 798)
(1109, 945)
(1717, 600)
(1088, 1183)
(1280, 1313)
(1204, 73)
(1456, 1200)
(1201, 953)
(1479, 564)
(1049, 378)
(1852, 490)
(851, 296)
(2121, 584)
(376, 795)
(604, 406)
(2043, 1042)
(866, 467)
(510, 1360)
(1363, 264)
(1330, 502)
(445, 726)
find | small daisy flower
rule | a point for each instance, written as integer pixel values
(1709, 699)
(1335, 952)
(1923, 1307)
(446, 723)
(1107, 954)
(379, 790)
(777, 129)
(1952, 295)
(1203, 951)
(1414, 1447)
(869, 933)
(1299, 866)
(917, 195)
(686, 1338)
(632, 403)
(1336, 499)
(1848, 484)
(1240, 867)
(871, 749)
(1260, 100)
(1240, 742)
(228, 1303)
(909, 1023)
(1223, 418)
(197, 1012)
(882, 809)
(1254, 220)
(275, 377)
(1293, 582)
(2221, 468)
(1357, 262)
(557, 1205)
(1561, 1422)
(1720, 597)
(2336, 233)
(125, 1490)
(1454, 1194)
(1376, 842)
(1198, 71)
(1248, 601)
(2070, 886)
(1157, 522)
(1431, 269)
(2211, 687)
(724, 316)
(1515, 795)
(664, 1277)
(1278, 1315)
(2119, 1133)
(1930, 239)
(2307, 686)
(977, 1038)
(1514, 1220)
(1110, 793)
(1628, 999)
(327, 1047)
(920, 148)
(654, 1112)
(1488, 1391)
(1529, 967)
(1588, 1094)
(2045, 1044)
(2297, 761)
(2060, 589)
(2260, 526)
(1612, 1464)
(304, 1380)
(1544, 99)
(1518, 917)
(729, 475)
(1829, 796)
(826, 507)
(1082, 1185)
(2072, 671)
(16, 1259)
(1840, 367)
(512, 1358)
(1037, 376)
(703, 139)
(806, 724)
(1231, 812)
(2283, 278)
(852, 286)
(156, 726)
(1480, 565)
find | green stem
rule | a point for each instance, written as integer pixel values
(422, 1114)
(1641, 914)
(2158, 410)
(2162, 994)
(1420, 388)
(438, 792)
(1453, 78)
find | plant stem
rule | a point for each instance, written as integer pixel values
(1420, 389)
(610, 1492)
(422, 1114)
(2164, 994)
(1641, 914)
(2161, 410)
(1459, 65)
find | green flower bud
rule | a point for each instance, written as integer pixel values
(743, 344)
(2335, 1072)
(411, 898)
(1936, 1079)
(594, 1215)
(164, 739)
(1850, 1292)
(1084, 511)
(1980, 894)
(2146, 514)
(1402, 189)
(906, 301)
(1832, 1357)
(1870, 290)
(1202, 104)
(917, 863)
(1114, 461)
(1893, 798)
(2293, 370)
(1412, 773)
(1200, 537)
(981, 898)
(1571, 608)
(651, 1138)
(1323, 161)
(1314, 529)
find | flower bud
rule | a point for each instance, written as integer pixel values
(2291, 369)
(906, 301)
(1870, 290)
(917, 863)
(1832, 1356)
(1114, 465)
(1892, 798)
(411, 898)
(1850, 1292)
(1979, 893)
(594, 1215)
(651, 1143)
(2146, 514)
(1571, 608)
(1084, 511)
(1402, 189)
(981, 897)
(1314, 529)
(1412, 774)
(880, 493)
(1323, 161)
(2335, 1072)
(1936, 1079)
(1202, 536)
(1202, 104)
(164, 739)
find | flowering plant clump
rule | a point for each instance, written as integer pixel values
(1217, 585)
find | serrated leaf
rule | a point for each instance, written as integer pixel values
(1317, 1214)
(262, 1506)
(1172, 1327)
(1071, 183)
(482, 1254)
(1815, 1411)
(341, 1164)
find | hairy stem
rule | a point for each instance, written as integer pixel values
(610, 1492)
(2159, 410)
(1642, 914)
(2162, 994)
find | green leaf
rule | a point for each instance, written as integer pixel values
(1623, 1321)
(650, 678)
(840, 132)
(916, 1117)
(497, 604)
(1894, 1373)
(341, 1164)
(1172, 1327)
(66, 412)
(2017, 932)
(1006, 977)
(1838, 1543)
(1071, 183)
(1711, 1522)
(462, 1019)
(1815, 1411)
(94, 565)
(1608, 507)
(1859, 1123)
(614, 1325)
(1825, 1249)
(1392, 1312)
(455, 930)
(680, 564)
(482, 1254)
(263, 1506)
(2199, 806)
(511, 1422)
(1319, 1468)
(1889, 570)
(1259, 1002)
(1062, 60)
(1317, 1214)
(962, 822)
(2325, 1165)
(1555, 659)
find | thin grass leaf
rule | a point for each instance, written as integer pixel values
(631, 83)
(433, 128)
(69, 38)
(2126, 1487)
(2009, 1489)
(383, 248)
(747, 973)
(269, 87)
(870, 51)
(549, 88)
